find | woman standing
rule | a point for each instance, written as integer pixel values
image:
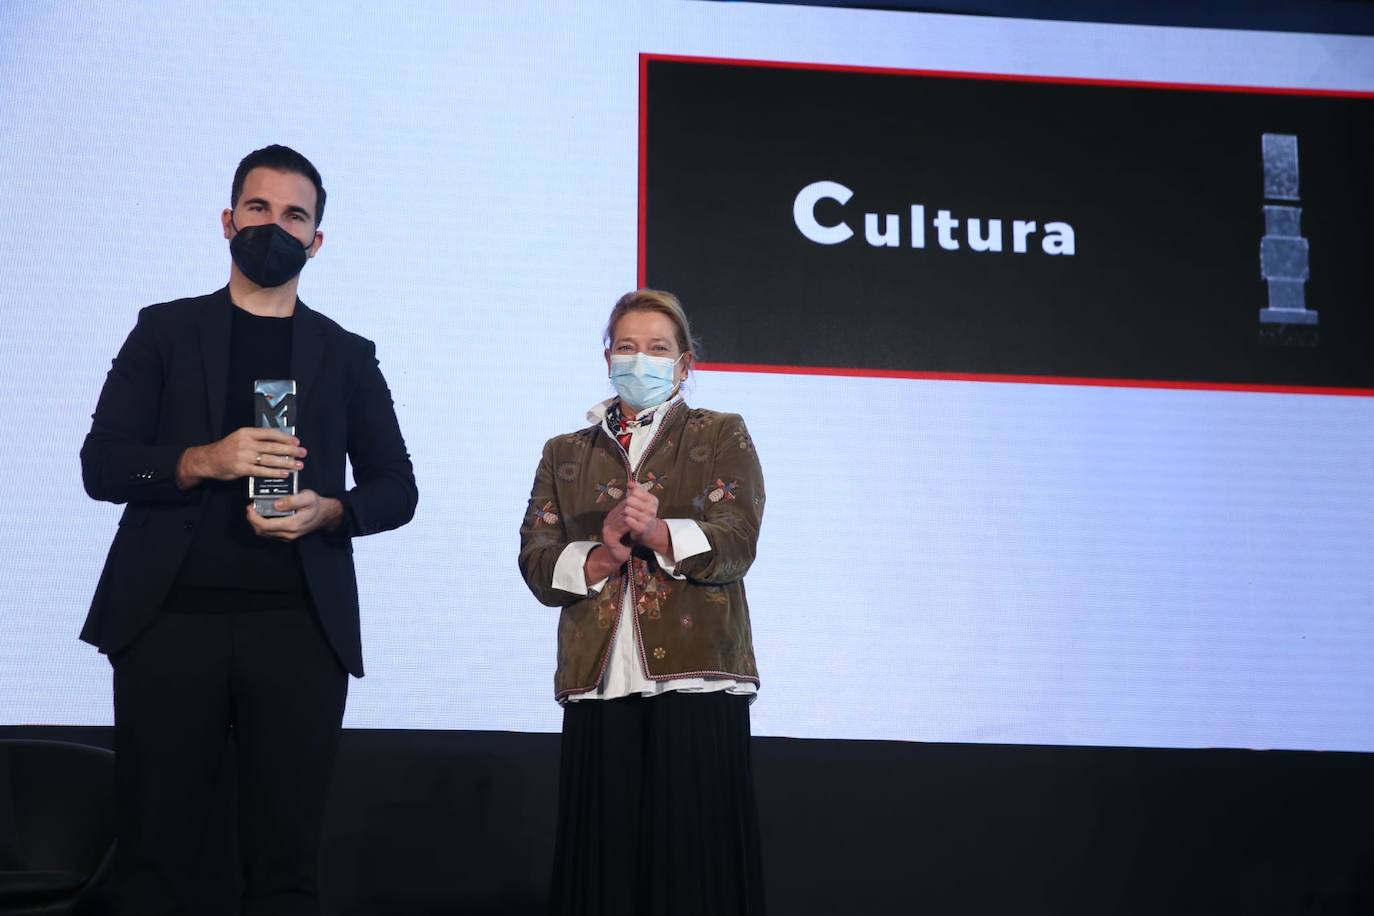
(640, 528)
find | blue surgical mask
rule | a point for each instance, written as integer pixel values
(643, 381)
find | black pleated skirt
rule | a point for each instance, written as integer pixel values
(656, 809)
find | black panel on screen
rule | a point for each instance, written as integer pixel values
(1151, 271)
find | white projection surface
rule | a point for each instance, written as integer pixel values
(1024, 563)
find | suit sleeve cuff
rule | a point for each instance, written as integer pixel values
(153, 473)
(688, 540)
(568, 574)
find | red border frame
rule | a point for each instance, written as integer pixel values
(641, 234)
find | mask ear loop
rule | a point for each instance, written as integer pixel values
(677, 388)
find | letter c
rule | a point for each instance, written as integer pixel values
(804, 212)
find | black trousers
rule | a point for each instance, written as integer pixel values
(271, 680)
(656, 809)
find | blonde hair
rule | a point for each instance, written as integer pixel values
(654, 300)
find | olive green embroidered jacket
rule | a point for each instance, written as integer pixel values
(702, 466)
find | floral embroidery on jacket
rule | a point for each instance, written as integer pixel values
(547, 515)
(715, 492)
(699, 453)
(582, 438)
(722, 490)
(611, 488)
(567, 471)
(652, 593)
(653, 481)
(698, 420)
(606, 604)
(742, 439)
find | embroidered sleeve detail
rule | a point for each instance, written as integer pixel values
(730, 506)
(742, 439)
(717, 491)
(543, 535)
(546, 515)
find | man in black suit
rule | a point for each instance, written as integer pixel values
(217, 619)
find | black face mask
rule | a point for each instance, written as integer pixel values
(268, 255)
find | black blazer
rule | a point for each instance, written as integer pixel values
(166, 391)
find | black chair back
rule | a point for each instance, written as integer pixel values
(57, 827)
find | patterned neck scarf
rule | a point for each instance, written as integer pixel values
(622, 427)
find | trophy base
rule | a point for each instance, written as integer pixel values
(263, 506)
(1288, 316)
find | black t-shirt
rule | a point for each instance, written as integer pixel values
(229, 568)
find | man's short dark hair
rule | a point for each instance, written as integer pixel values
(283, 159)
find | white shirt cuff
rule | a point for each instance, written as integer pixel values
(568, 572)
(687, 539)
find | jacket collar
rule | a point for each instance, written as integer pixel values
(597, 413)
(307, 352)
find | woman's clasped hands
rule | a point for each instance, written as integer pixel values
(635, 521)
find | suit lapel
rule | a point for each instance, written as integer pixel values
(214, 348)
(307, 352)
